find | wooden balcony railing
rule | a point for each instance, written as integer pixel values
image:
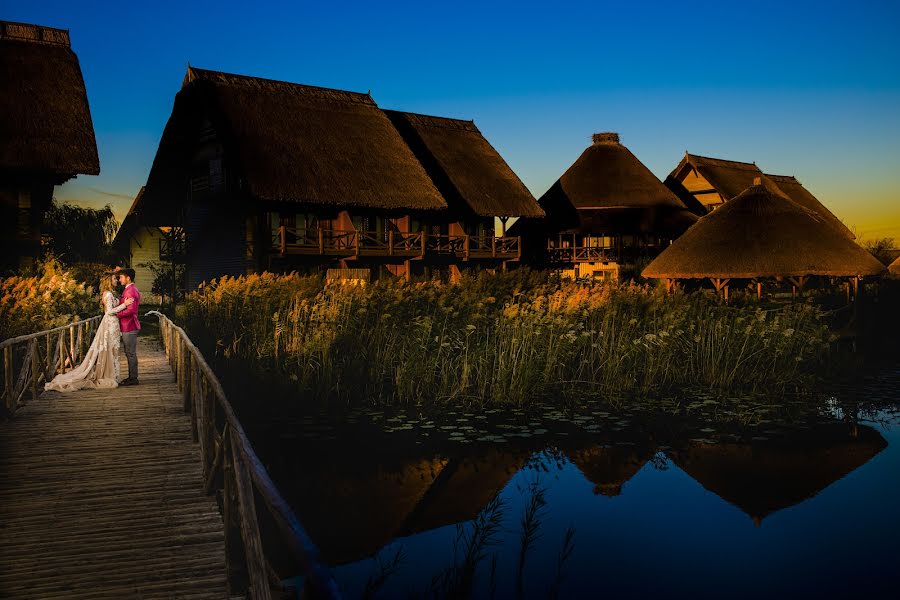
(231, 466)
(343, 243)
(576, 254)
(31, 360)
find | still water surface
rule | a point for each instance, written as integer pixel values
(805, 508)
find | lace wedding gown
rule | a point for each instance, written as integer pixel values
(100, 367)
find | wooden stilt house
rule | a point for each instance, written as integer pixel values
(271, 175)
(46, 133)
(714, 181)
(607, 210)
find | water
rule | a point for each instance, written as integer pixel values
(660, 507)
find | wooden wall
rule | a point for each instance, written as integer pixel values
(702, 190)
(144, 248)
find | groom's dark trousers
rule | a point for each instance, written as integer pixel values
(129, 339)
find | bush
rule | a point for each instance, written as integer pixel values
(50, 299)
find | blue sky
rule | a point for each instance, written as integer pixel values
(804, 88)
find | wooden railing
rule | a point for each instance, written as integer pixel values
(231, 467)
(31, 360)
(573, 254)
(346, 243)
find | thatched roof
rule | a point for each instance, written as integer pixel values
(763, 477)
(464, 165)
(799, 194)
(762, 233)
(45, 120)
(895, 266)
(686, 197)
(609, 191)
(296, 143)
(730, 177)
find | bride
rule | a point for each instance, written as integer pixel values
(100, 367)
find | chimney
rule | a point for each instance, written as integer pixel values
(607, 137)
(757, 181)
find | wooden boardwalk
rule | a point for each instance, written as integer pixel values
(101, 496)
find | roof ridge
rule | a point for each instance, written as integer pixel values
(792, 177)
(39, 34)
(251, 81)
(722, 160)
(439, 121)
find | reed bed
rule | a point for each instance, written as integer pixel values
(501, 339)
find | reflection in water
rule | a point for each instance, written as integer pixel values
(356, 502)
(762, 477)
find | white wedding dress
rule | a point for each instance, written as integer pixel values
(100, 367)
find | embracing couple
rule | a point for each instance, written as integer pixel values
(100, 367)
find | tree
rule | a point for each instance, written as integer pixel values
(75, 234)
(882, 249)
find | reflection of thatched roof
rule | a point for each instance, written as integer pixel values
(295, 143)
(730, 177)
(463, 488)
(609, 468)
(761, 233)
(764, 477)
(464, 165)
(609, 191)
(45, 121)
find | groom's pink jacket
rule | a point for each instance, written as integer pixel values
(128, 318)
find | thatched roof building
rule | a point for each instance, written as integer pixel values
(762, 233)
(45, 120)
(609, 191)
(713, 181)
(895, 266)
(294, 143)
(761, 478)
(465, 167)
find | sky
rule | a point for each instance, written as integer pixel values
(810, 89)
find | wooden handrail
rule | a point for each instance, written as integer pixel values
(242, 470)
(23, 366)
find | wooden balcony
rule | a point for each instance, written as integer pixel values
(580, 254)
(349, 244)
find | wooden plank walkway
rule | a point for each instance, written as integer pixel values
(101, 496)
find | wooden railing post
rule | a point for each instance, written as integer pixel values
(235, 561)
(282, 233)
(8, 380)
(390, 242)
(186, 382)
(253, 551)
(424, 236)
(195, 394)
(35, 365)
(321, 241)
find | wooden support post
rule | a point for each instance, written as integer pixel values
(759, 290)
(34, 370)
(253, 551)
(235, 561)
(321, 241)
(282, 234)
(62, 351)
(424, 236)
(494, 246)
(466, 247)
(726, 292)
(390, 242)
(8, 380)
(186, 381)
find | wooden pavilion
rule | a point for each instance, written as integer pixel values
(46, 133)
(714, 181)
(267, 174)
(761, 234)
(607, 210)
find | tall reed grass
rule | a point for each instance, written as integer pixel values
(500, 339)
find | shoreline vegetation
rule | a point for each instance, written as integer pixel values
(502, 340)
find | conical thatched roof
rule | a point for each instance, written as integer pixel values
(762, 233)
(45, 121)
(464, 166)
(794, 190)
(764, 477)
(609, 191)
(294, 143)
(895, 266)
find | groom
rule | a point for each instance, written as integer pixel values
(130, 325)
